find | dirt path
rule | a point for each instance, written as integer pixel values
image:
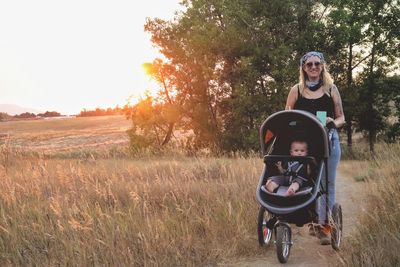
(306, 250)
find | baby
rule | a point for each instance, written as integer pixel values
(297, 148)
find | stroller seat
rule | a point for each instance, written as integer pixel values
(305, 190)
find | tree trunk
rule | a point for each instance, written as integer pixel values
(168, 136)
(370, 100)
(349, 83)
(371, 139)
(349, 131)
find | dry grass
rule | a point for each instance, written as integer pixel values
(69, 196)
(376, 241)
(124, 212)
(66, 135)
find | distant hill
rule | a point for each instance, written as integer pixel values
(15, 109)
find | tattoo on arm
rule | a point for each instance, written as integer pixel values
(338, 103)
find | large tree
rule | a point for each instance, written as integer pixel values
(383, 38)
(345, 24)
(229, 64)
(366, 36)
(235, 61)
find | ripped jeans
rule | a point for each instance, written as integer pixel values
(333, 162)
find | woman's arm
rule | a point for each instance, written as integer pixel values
(292, 98)
(339, 114)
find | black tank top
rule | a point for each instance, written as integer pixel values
(323, 103)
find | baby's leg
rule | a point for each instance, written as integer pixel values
(271, 186)
(292, 189)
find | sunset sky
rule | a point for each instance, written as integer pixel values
(75, 54)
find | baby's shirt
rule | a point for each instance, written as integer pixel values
(300, 169)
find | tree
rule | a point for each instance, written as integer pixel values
(5, 116)
(49, 114)
(151, 122)
(233, 63)
(391, 88)
(383, 37)
(164, 74)
(230, 64)
(360, 29)
(345, 24)
(25, 115)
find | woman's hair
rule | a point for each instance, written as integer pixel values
(326, 78)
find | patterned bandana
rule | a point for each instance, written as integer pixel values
(314, 86)
(312, 54)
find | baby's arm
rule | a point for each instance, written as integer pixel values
(279, 166)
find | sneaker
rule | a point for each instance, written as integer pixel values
(325, 235)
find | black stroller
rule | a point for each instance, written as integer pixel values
(278, 211)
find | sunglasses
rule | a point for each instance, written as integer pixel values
(310, 64)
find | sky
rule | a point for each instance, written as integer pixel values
(66, 55)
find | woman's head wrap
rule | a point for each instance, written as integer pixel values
(312, 54)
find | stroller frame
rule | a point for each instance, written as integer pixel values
(276, 212)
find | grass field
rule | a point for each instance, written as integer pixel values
(118, 211)
(67, 134)
(60, 208)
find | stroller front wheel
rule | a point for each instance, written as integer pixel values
(283, 242)
(337, 226)
(264, 232)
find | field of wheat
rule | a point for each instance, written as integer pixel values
(70, 194)
(123, 211)
(53, 136)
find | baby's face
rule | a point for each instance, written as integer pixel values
(298, 149)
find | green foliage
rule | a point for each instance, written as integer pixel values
(152, 121)
(383, 41)
(230, 64)
(382, 117)
(362, 31)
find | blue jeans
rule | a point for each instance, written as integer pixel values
(333, 162)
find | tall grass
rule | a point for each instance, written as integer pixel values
(361, 151)
(377, 238)
(121, 212)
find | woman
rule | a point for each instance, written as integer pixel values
(316, 92)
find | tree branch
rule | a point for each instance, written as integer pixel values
(367, 56)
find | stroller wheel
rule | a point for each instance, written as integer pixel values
(337, 226)
(283, 242)
(264, 233)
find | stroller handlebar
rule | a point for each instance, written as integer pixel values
(331, 125)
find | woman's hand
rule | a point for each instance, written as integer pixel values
(330, 123)
(329, 119)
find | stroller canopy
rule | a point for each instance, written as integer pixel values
(280, 128)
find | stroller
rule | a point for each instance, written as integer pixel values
(278, 211)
